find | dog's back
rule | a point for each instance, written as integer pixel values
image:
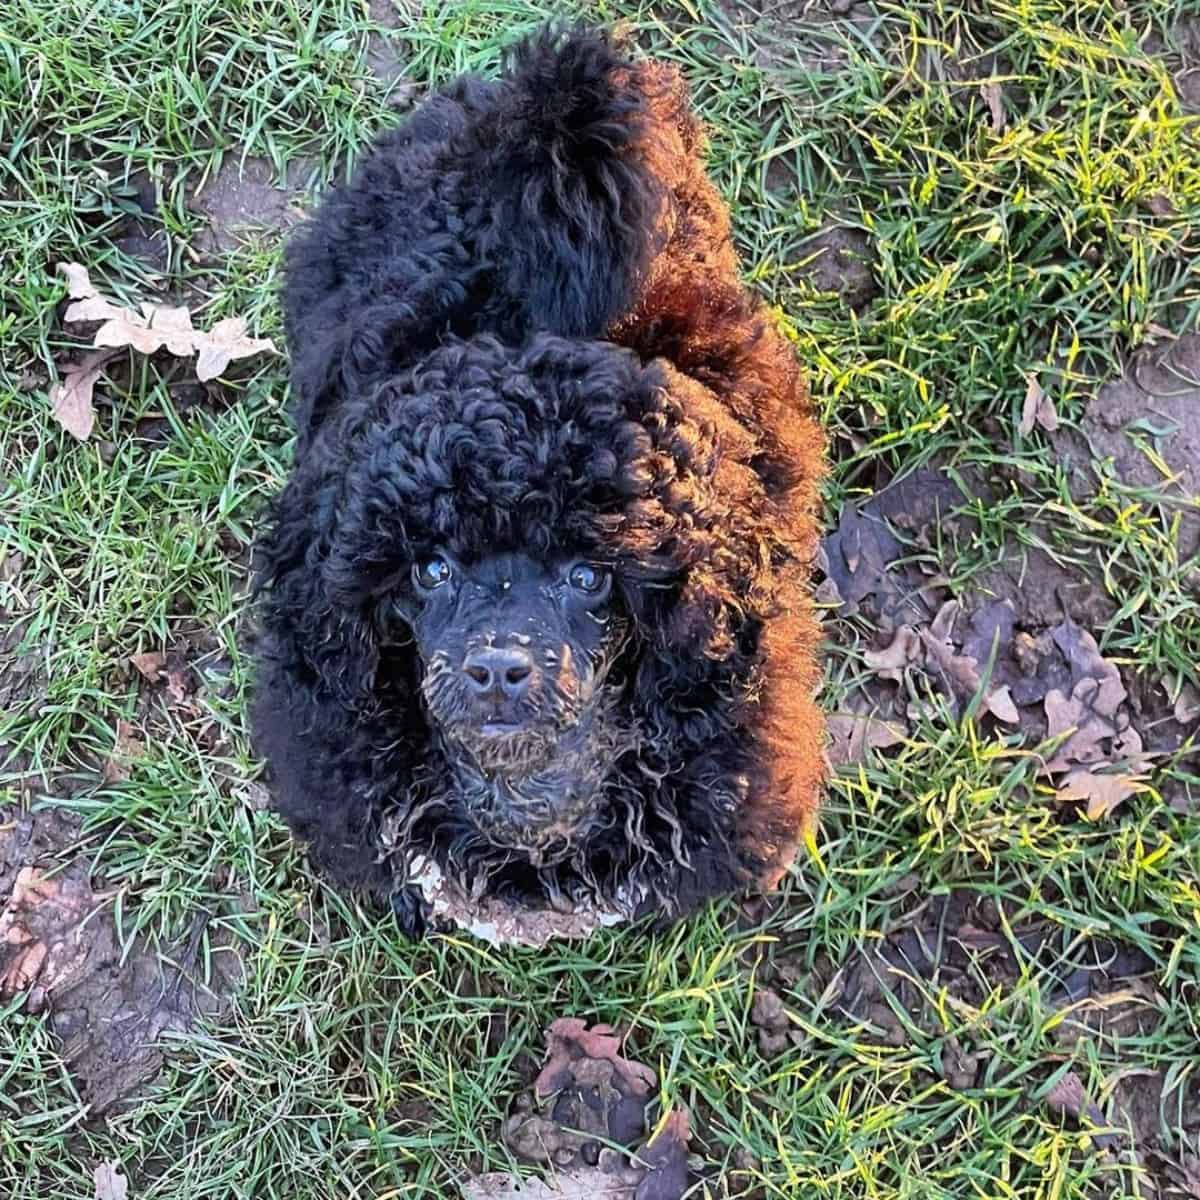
(507, 207)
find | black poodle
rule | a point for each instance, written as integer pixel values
(536, 623)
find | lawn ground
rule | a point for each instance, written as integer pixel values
(981, 223)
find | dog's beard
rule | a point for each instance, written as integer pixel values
(513, 755)
(547, 812)
(538, 788)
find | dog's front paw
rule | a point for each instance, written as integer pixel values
(413, 913)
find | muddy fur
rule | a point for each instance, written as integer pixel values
(519, 329)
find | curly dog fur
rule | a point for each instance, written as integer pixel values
(519, 330)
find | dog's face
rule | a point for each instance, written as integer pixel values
(515, 655)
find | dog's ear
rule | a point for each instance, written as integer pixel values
(327, 638)
(325, 717)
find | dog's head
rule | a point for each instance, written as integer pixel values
(530, 573)
(516, 656)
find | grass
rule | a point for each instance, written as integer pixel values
(358, 1066)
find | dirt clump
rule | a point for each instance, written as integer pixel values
(246, 194)
(839, 259)
(60, 949)
(1141, 435)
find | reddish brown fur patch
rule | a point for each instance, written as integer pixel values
(695, 313)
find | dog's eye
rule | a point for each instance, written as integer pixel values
(585, 577)
(432, 572)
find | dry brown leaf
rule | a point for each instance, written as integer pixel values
(159, 327)
(993, 95)
(127, 747)
(174, 327)
(1092, 713)
(156, 327)
(587, 1183)
(128, 328)
(1083, 654)
(223, 343)
(960, 671)
(79, 285)
(891, 662)
(1038, 409)
(1103, 794)
(1187, 705)
(852, 734)
(110, 1183)
(657, 1171)
(179, 684)
(1084, 719)
(38, 949)
(1068, 1097)
(71, 397)
(1001, 705)
(149, 664)
(93, 308)
(569, 1039)
(942, 625)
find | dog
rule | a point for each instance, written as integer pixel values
(535, 613)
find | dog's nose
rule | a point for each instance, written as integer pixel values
(504, 672)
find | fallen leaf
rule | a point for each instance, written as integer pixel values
(174, 326)
(1068, 1097)
(149, 664)
(890, 662)
(1093, 712)
(942, 625)
(658, 1171)
(126, 748)
(569, 1039)
(587, 1183)
(1187, 705)
(1083, 656)
(959, 672)
(993, 95)
(852, 734)
(155, 327)
(225, 342)
(959, 1066)
(1103, 794)
(1084, 723)
(1001, 705)
(110, 1183)
(992, 627)
(79, 284)
(179, 684)
(769, 1015)
(127, 328)
(827, 594)
(158, 327)
(93, 308)
(71, 397)
(37, 950)
(767, 1010)
(1038, 409)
